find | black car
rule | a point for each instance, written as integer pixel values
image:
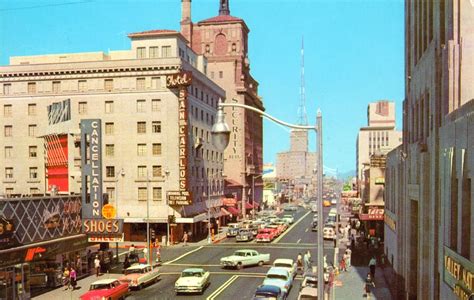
(315, 226)
(268, 292)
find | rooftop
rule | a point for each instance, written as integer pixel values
(156, 32)
(221, 18)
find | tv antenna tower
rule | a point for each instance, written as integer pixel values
(302, 117)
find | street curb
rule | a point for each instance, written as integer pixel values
(218, 240)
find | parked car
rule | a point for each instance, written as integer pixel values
(308, 293)
(242, 258)
(326, 203)
(138, 276)
(282, 223)
(244, 235)
(266, 235)
(288, 218)
(106, 289)
(329, 233)
(286, 263)
(277, 228)
(334, 201)
(291, 208)
(233, 229)
(265, 292)
(279, 277)
(193, 280)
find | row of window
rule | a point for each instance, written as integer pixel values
(109, 107)
(141, 149)
(8, 110)
(33, 190)
(8, 130)
(32, 151)
(154, 51)
(33, 173)
(83, 86)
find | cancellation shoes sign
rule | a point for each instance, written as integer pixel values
(181, 81)
(93, 219)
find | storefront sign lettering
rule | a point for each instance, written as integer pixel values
(458, 273)
(179, 80)
(102, 226)
(179, 198)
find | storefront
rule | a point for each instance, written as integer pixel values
(373, 222)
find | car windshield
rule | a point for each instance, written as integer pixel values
(276, 276)
(283, 265)
(100, 286)
(134, 271)
(191, 274)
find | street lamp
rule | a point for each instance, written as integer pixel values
(253, 193)
(220, 137)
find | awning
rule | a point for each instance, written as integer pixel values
(229, 201)
(248, 205)
(225, 212)
(233, 211)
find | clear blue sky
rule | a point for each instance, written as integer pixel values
(353, 52)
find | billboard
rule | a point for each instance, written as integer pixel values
(59, 112)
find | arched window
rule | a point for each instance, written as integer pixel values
(220, 45)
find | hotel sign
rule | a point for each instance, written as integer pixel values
(93, 219)
(181, 81)
(458, 274)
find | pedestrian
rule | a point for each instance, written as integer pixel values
(307, 262)
(89, 260)
(369, 281)
(372, 265)
(131, 249)
(185, 239)
(352, 242)
(66, 278)
(126, 263)
(368, 241)
(342, 264)
(97, 266)
(79, 264)
(73, 278)
(348, 256)
(158, 254)
(145, 254)
(299, 262)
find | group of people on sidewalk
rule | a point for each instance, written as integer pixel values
(69, 278)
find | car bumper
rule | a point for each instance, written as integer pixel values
(188, 289)
(263, 240)
(228, 264)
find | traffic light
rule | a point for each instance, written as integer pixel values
(152, 235)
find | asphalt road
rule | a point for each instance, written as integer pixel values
(237, 284)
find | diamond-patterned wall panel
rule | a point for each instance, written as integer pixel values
(38, 219)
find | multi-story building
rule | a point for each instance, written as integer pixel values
(223, 40)
(380, 135)
(429, 189)
(44, 98)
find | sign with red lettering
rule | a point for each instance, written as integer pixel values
(30, 254)
(373, 214)
(102, 226)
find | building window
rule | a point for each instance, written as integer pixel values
(9, 173)
(82, 85)
(8, 151)
(108, 84)
(32, 130)
(140, 83)
(157, 171)
(34, 191)
(8, 191)
(154, 52)
(221, 74)
(142, 194)
(156, 83)
(141, 106)
(141, 172)
(82, 108)
(33, 173)
(32, 151)
(156, 126)
(7, 110)
(141, 127)
(111, 193)
(110, 171)
(157, 194)
(56, 87)
(109, 107)
(141, 52)
(32, 109)
(109, 128)
(156, 149)
(166, 51)
(31, 87)
(155, 104)
(7, 131)
(141, 149)
(110, 150)
(7, 88)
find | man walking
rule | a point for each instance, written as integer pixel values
(97, 266)
(372, 264)
(185, 239)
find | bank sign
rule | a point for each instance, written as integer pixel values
(92, 198)
(181, 81)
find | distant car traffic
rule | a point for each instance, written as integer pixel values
(326, 203)
(334, 201)
(329, 232)
(193, 280)
(232, 230)
(288, 218)
(138, 276)
(106, 289)
(291, 208)
(266, 292)
(244, 235)
(242, 258)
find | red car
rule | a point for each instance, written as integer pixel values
(278, 229)
(110, 289)
(265, 235)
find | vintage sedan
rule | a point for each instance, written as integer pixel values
(138, 276)
(242, 258)
(106, 289)
(277, 228)
(288, 218)
(286, 263)
(279, 277)
(193, 280)
(233, 229)
(266, 292)
(244, 235)
(308, 293)
(266, 235)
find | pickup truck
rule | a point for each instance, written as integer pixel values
(242, 258)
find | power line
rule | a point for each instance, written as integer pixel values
(45, 5)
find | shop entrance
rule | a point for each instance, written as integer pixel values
(15, 282)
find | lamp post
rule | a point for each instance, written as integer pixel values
(208, 210)
(221, 135)
(148, 218)
(253, 194)
(122, 173)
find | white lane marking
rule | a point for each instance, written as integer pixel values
(197, 265)
(291, 227)
(222, 287)
(298, 241)
(306, 230)
(184, 255)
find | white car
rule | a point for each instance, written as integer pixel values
(308, 293)
(193, 280)
(286, 263)
(288, 218)
(138, 276)
(242, 258)
(329, 233)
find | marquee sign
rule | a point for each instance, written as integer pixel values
(181, 81)
(458, 274)
(373, 214)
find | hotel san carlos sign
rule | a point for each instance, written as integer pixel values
(181, 81)
(93, 220)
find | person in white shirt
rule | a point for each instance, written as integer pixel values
(97, 266)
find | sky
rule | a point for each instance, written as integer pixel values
(354, 53)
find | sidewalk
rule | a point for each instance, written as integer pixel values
(350, 284)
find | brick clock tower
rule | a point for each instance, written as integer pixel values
(223, 39)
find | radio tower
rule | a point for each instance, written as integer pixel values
(302, 117)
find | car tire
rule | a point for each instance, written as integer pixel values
(239, 266)
(260, 263)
